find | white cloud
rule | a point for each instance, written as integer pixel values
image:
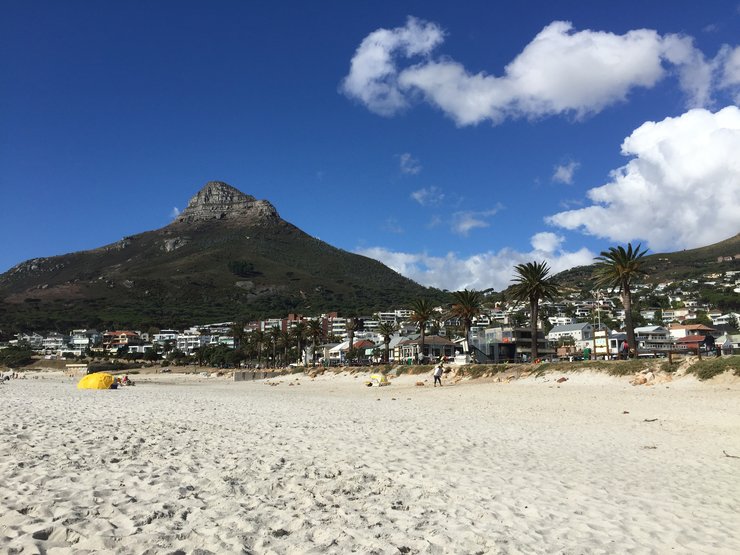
(681, 189)
(546, 241)
(392, 225)
(564, 173)
(428, 196)
(175, 212)
(409, 164)
(561, 71)
(373, 76)
(479, 271)
(694, 72)
(728, 60)
(466, 220)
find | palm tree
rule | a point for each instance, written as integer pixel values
(315, 331)
(299, 334)
(423, 311)
(351, 327)
(615, 270)
(532, 282)
(285, 342)
(386, 329)
(466, 306)
(237, 332)
(274, 337)
(258, 340)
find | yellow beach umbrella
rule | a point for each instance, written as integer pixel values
(99, 380)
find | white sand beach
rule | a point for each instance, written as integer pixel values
(183, 464)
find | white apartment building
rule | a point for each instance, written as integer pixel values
(582, 331)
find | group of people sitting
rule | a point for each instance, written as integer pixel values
(124, 381)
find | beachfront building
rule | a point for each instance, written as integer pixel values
(678, 331)
(113, 341)
(508, 344)
(651, 339)
(435, 347)
(582, 331)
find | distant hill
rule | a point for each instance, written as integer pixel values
(228, 256)
(667, 267)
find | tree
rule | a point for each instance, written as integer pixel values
(237, 332)
(351, 327)
(274, 337)
(466, 306)
(616, 269)
(315, 332)
(299, 334)
(423, 312)
(16, 356)
(386, 329)
(532, 282)
(284, 341)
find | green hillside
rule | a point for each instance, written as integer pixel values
(200, 271)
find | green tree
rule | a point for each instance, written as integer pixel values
(315, 332)
(386, 329)
(466, 305)
(258, 341)
(16, 356)
(423, 312)
(274, 338)
(616, 269)
(299, 332)
(351, 327)
(238, 333)
(532, 282)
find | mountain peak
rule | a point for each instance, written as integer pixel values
(220, 201)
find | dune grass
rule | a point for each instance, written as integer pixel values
(708, 368)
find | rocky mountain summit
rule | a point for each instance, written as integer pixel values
(227, 256)
(220, 201)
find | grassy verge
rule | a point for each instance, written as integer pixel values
(611, 367)
(708, 368)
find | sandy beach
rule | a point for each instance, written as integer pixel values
(187, 464)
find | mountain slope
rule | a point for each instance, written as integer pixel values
(668, 267)
(228, 256)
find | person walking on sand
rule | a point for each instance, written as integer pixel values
(438, 370)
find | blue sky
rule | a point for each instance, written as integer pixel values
(449, 140)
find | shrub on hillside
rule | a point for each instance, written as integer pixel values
(16, 356)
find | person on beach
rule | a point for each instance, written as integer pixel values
(625, 350)
(438, 371)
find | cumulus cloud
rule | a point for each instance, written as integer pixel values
(546, 241)
(373, 78)
(464, 221)
(428, 196)
(175, 212)
(409, 164)
(564, 173)
(561, 71)
(729, 62)
(681, 189)
(479, 271)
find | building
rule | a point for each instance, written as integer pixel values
(678, 331)
(580, 331)
(650, 339)
(435, 347)
(509, 344)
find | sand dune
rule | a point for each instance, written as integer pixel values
(192, 465)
